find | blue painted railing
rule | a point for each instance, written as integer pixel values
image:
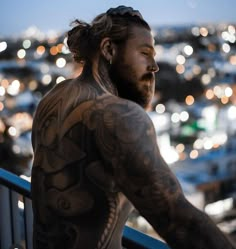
(14, 189)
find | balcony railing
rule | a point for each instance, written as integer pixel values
(16, 218)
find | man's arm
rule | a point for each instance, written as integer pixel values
(127, 142)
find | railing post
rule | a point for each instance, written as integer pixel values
(16, 217)
(5, 218)
(28, 223)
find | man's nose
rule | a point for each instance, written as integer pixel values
(154, 67)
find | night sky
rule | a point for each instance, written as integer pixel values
(16, 16)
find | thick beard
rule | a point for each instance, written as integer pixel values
(127, 88)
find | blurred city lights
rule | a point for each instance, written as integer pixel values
(231, 29)
(33, 85)
(211, 47)
(229, 35)
(40, 50)
(59, 47)
(232, 112)
(218, 91)
(160, 108)
(189, 100)
(5, 83)
(47, 78)
(193, 154)
(60, 62)
(60, 79)
(1, 106)
(14, 88)
(12, 131)
(224, 100)
(21, 53)
(44, 68)
(21, 205)
(53, 50)
(209, 94)
(180, 59)
(226, 47)
(26, 44)
(203, 31)
(180, 148)
(212, 72)
(232, 59)
(180, 69)
(2, 126)
(207, 144)
(16, 149)
(188, 50)
(195, 31)
(196, 69)
(228, 91)
(3, 46)
(206, 79)
(198, 144)
(2, 91)
(175, 117)
(219, 207)
(65, 50)
(184, 116)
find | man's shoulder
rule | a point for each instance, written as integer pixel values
(114, 101)
(57, 88)
(111, 110)
(117, 105)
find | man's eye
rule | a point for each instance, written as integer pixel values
(145, 53)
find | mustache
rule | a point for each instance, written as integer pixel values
(148, 76)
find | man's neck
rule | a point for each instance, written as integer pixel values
(101, 76)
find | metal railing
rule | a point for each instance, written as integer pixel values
(16, 219)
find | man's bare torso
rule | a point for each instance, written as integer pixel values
(76, 202)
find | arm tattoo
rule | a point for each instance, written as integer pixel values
(127, 142)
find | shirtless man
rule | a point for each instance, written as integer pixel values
(95, 150)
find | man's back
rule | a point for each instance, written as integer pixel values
(93, 148)
(76, 202)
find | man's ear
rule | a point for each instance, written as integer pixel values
(107, 48)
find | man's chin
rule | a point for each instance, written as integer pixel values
(145, 103)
